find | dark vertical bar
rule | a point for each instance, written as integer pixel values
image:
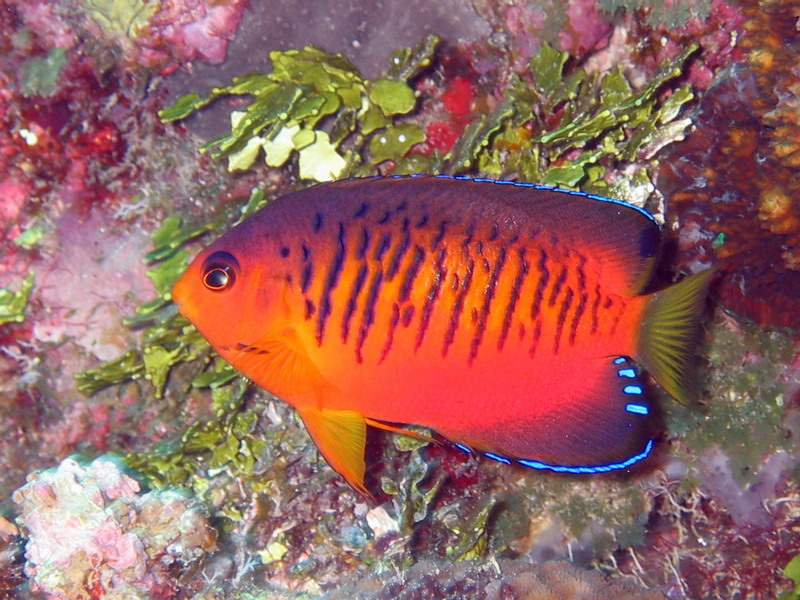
(330, 284)
(431, 298)
(393, 321)
(491, 288)
(544, 278)
(458, 306)
(562, 317)
(410, 274)
(519, 279)
(368, 313)
(352, 301)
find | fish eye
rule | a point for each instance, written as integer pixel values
(219, 272)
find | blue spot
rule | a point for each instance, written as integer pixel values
(498, 458)
(632, 389)
(638, 409)
(620, 360)
(464, 448)
(595, 469)
(629, 373)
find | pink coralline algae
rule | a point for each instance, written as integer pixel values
(717, 35)
(90, 534)
(585, 29)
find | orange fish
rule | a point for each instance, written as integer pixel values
(505, 316)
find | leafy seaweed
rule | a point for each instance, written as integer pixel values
(317, 106)
(12, 304)
(224, 442)
(569, 128)
(29, 238)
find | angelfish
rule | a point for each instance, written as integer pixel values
(507, 317)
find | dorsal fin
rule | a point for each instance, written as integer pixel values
(623, 237)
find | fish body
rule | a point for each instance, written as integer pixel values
(504, 316)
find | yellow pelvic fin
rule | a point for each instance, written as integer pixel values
(669, 334)
(340, 436)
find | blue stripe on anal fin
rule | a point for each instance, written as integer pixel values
(586, 470)
(497, 457)
(573, 469)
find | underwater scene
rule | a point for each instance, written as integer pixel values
(456, 299)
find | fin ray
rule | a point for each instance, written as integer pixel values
(280, 358)
(669, 334)
(340, 436)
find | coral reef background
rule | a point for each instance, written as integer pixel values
(138, 465)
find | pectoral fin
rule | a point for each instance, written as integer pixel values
(340, 436)
(280, 363)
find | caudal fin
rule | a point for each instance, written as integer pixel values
(669, 334)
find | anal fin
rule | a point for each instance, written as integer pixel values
(340, 436)
(599, 427)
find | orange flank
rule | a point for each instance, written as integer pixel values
(506, 317)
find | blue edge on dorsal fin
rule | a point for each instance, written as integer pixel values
(535, 186)
(626, 371)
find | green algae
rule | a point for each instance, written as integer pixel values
(13, 303)
(570, 129)
(224, 442)
(127, 367)
(413, 495)
(391, 97)
(31, 237)
(121, 18)
(39, 75)
(309, 89)
(394, 141)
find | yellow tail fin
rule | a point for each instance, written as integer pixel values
(669, 334)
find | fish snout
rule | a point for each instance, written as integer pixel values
(181, 293)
